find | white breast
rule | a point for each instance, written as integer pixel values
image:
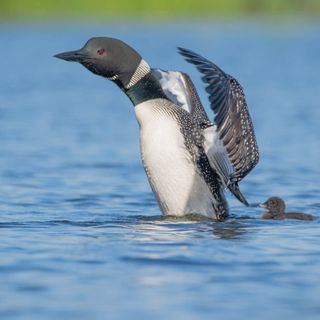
(174, 178)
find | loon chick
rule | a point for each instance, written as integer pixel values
(189, 160)
(276, 211)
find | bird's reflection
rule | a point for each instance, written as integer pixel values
(184, 228)
(229, 230)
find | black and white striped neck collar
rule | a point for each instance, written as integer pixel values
(143, 85)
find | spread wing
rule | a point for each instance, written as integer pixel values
(233, 123)
(179, 88)
(232, 117)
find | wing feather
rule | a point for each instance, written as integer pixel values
(232, 117)
(179, 88)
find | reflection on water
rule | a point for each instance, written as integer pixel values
(229, 230)
(179, 228)
(80, 232)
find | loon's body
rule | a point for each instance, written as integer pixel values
(170, 158)
(188, 159)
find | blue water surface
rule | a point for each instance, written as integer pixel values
(81, 236)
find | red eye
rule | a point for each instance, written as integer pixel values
(101, 51)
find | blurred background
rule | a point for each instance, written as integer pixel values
(150, 9)
(81, 235)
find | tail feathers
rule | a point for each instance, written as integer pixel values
(234, 188)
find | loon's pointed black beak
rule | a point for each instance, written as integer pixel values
(76, 55)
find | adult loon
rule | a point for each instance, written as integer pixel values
(188, 159)
(276, 211)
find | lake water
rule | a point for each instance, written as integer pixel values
(81, 236)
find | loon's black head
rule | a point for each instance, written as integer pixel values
(106, 57)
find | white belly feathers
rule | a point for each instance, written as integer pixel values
(174, 178)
